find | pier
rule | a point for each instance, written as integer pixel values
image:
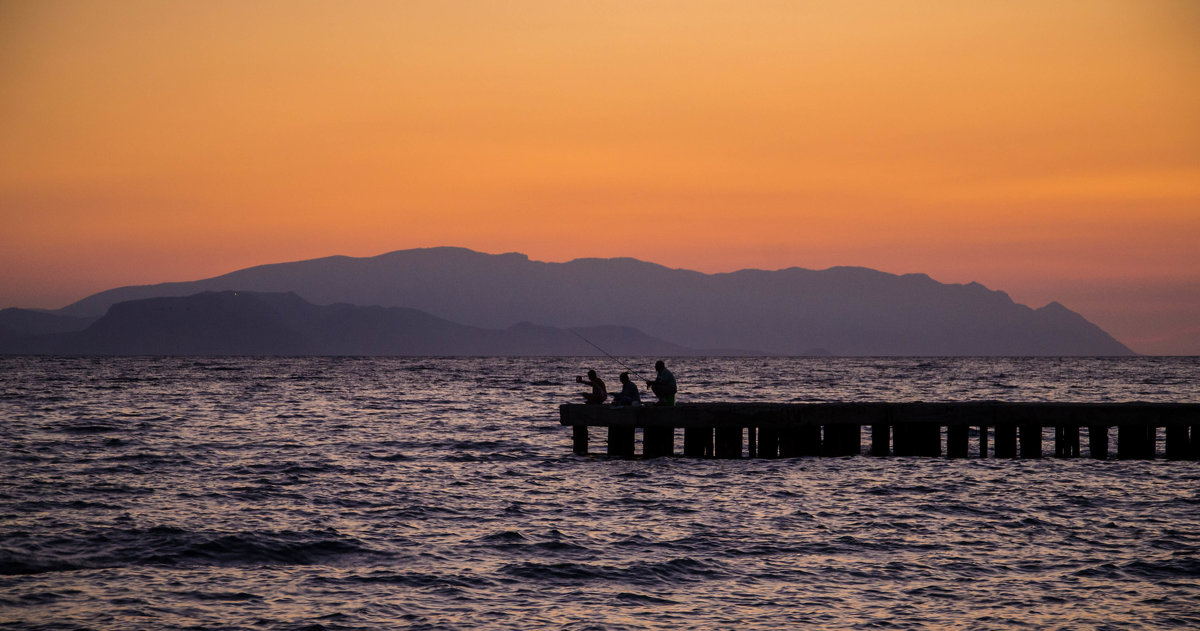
(996, 429)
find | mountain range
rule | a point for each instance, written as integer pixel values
(252, 323)
(455, 301)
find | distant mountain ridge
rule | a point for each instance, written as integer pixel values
(251, 323)
(847, 310)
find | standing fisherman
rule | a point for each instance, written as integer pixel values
(663, 384)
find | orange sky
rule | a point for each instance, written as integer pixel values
(1050, 150)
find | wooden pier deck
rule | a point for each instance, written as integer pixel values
(784, 430)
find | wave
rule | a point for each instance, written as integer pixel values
(672, 572)
(416, 579)
(176, 547)
(1183, 567)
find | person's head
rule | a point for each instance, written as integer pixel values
(591, 374)
(659, 365)
(624, 377)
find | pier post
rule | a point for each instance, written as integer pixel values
(808, 440)
(983, 441)
(658, 441)
(1066, 441)
(752, 442)
(579, 440)
(768, 442)
(788, 442)
(729, 442)
(880, 445)
(842, 440)
(1135, 442)
(1006, 441)
(1031, 441)
(1098, 441)
(1127, 435)
(697, 442)
(931, 441)
(620, 441)
(1177, 442)
(913, 439)
(956, 441)
(901, 440)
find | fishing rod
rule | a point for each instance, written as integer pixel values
(593, 344)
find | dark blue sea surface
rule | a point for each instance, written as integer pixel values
(434, 493)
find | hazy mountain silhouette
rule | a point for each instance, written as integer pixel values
(25, 322)
(249, 323)
(847, 310)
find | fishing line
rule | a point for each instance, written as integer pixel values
(632, 371)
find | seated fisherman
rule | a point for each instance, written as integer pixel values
(663, 384)
(629, 394)
(598, 393)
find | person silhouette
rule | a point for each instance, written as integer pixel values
(629, 394)
(663, 385)
(598, 393)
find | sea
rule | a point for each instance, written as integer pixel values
(441, 493)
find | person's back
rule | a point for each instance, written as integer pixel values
(629, 394)
(666, 379)
(663, 385)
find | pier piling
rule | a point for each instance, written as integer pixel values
(768, 442)
(1031, 441)
(902, 440)
(788, 441)
(620, 441)
(1098, 441)
(1177, 447)
(1135, 441)
(1006, 441)
(729, 442)
(579, 435)
(697, 442)
(808, 440)
(956, 441)
(841, 440)
(880, 443)
(658, 442)
(1066, 441)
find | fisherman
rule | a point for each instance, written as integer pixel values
(663, 384)
(598, 393)
(629, 394)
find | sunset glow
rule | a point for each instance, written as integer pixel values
(1050, 150)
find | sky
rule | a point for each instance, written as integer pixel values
(1050, 150)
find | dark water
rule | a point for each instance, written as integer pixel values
(441, 493)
